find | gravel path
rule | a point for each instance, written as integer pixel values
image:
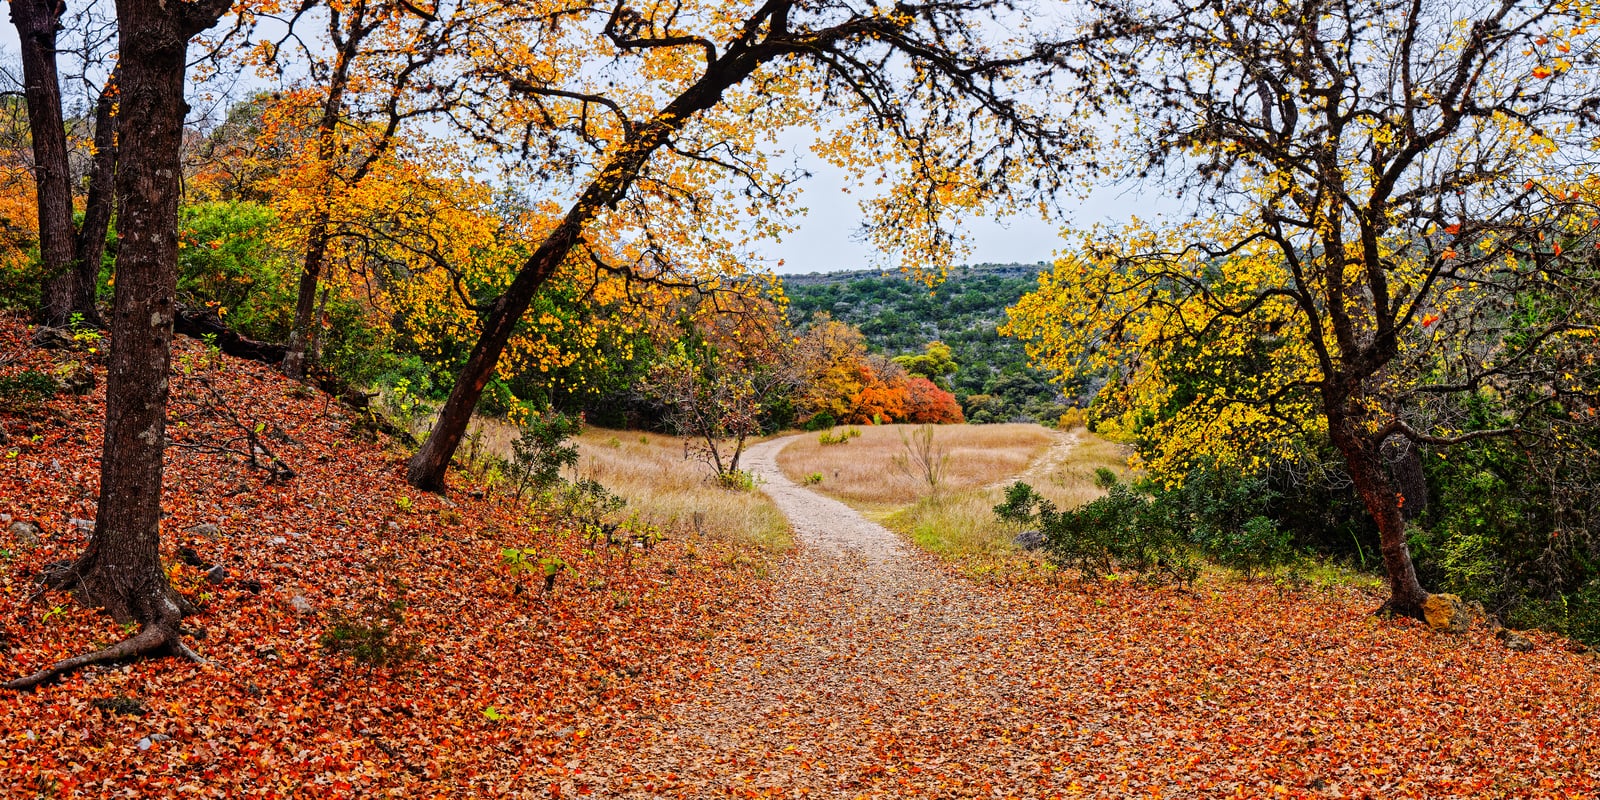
(871, 670)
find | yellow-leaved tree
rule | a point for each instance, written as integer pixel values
(1394, 248)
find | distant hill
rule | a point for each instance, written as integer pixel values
(898, 316)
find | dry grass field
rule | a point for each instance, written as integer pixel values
(958, 520)
(863, 471)
(963, 524)
(649, 471)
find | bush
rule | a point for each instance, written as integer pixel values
(542, 451)
(737, 480)
(842, 437)
(368, 636)
(1072, 418)
(26, 391)
(1116, 532)
(821, 421)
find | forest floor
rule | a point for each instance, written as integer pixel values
(853, 665)
(875, 671)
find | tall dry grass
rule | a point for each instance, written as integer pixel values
(649, 471)
(863, 472)
(963, 524)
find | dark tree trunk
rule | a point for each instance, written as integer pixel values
(427, 468)
(120, 571)
(1370, 475)
(305, 306)
(36, 22)
(304, 332)
(91, 245)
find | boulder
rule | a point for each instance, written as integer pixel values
(1030, 540)
(27, 533)
(1513, 640)
(47, 338)
(79, 380)
(204, 529)
(1446, 612)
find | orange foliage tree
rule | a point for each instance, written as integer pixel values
(655, 121)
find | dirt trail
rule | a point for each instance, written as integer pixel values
(874, 673)
(871, 668)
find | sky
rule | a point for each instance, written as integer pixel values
(826, 240)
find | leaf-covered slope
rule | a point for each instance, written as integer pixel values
(507, 683)
(899, 316)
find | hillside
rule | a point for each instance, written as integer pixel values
(361, 638)
(898, 316)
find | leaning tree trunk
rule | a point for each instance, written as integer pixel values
(1370, 475)
(120, 571)
(427, 468)
(37, 22)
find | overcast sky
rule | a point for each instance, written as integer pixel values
(826, 237)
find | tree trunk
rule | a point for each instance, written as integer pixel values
(120, 570)
(305, 306)
(1370, 476)
(427, 468)
(91, 244)
(36, 22)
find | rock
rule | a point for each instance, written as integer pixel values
(1446, 612)
(189, 556)
(1030, 540)
(1493, 623)
(216, 575)
(1514, 641)
(47, 338)
(279, 540)
(301, 604)
(147, 742)
(204, 529)
(27, 533)
(81, 524)
(80, 380)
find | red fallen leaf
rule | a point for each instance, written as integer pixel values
(1429, 319)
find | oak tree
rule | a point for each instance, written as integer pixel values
(70, 253)
(1393, 249)
(120, 570)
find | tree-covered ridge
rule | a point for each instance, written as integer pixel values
(899, 316)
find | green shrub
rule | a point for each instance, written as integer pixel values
(542, 451)
(1116, 532)
(1104, 477)
(813, 479)
(842, 437)
(25, 391)
(737, 480)
(369, 636)
(821, 421)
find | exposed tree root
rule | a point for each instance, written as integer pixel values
(151, 640)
